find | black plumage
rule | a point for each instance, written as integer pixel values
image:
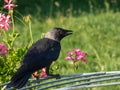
(40, 54)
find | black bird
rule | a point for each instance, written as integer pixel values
(41, 54)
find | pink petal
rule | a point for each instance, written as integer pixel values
(10, 1)
(43, 70)
(12, 5)
(43, 73)
(6, 1)
(77, 50)
(68, 58)
(3, 49)
(84, 60)
(1, 43)
(5, 6)
(72, 57)
(78, 57)
(80, 53)
(70, 53)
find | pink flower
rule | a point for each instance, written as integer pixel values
(4, 21)
(43, 73)
(3, 49)
(70, 53)
(67, 58)
(80, 53)
(76, 55)
(9, 4)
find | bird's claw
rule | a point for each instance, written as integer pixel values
(57, 76)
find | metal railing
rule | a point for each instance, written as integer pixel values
(73, 81)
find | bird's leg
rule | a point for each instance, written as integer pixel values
(57, 76)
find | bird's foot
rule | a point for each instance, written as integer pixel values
(57, 76)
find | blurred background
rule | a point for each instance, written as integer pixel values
(54, 8)
(96, 26)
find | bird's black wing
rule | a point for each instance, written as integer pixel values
(42, 53)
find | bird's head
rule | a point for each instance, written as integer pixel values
(57, 33)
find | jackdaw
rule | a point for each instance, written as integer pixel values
(41, 54)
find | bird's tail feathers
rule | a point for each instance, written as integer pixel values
(20, 81)
(20, 78)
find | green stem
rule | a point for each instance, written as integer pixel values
(13, 25)
(5, 34)
(75, 66)
(6, 38)
(51, 9)
(13, 40)
(30, 32)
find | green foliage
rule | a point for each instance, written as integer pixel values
(96, 33)
(10, 59)
(10, 63)
(53, 8)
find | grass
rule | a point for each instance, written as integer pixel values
(95, 34)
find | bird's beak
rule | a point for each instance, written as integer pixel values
(68, 32)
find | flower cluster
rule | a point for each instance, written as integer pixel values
(76, 55)
(9, 5)
(3, 49)
(4, 21)
(42, 74)
(5, 24)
